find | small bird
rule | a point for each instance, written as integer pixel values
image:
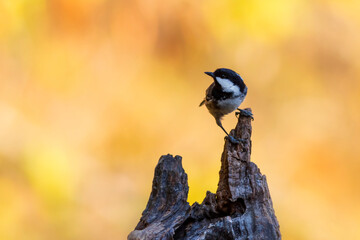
(224, 96)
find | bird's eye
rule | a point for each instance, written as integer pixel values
(222, 75)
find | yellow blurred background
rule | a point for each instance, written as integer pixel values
(93, 92)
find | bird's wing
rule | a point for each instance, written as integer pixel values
(208, 94)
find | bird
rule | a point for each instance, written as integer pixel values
(224, 96)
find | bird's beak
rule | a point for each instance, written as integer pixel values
(210, 74)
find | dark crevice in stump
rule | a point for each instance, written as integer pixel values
(241, 208)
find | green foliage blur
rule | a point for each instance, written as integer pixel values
(93, 92)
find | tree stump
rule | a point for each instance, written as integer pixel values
(241, 209)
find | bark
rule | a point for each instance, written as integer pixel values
(241, 209)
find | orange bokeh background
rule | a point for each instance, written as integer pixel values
(93, 92)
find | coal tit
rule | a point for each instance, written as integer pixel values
(225, 95)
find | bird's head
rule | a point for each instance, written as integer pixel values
(228, 80)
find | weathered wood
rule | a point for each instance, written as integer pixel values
(241, 208)
(167, 207)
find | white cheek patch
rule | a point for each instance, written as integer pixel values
(228, 86)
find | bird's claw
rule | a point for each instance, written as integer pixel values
(235, 140)
(245, 113)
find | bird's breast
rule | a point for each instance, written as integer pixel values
(230, 104)
(220, 108)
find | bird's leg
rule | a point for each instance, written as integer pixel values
(244, 113)
(231, 138)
